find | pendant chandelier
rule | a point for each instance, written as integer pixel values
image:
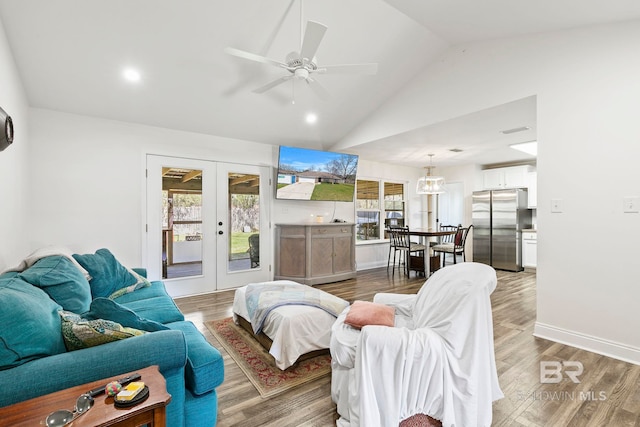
(430, 184)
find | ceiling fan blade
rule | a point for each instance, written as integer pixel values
(313, 35)
(263, 89)
(318, 89)
(369, 69)
(253, 57)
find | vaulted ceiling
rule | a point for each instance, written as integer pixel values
(71, 55)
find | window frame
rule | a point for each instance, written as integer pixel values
(381, 210)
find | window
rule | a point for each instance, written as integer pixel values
(375, 200)
(393, 204)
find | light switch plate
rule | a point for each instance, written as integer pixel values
(556, 205)
(631, 204)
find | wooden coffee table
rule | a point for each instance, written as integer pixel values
(33, 412)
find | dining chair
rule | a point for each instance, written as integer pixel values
(456, 245)
(450, 237)
(387, 235)
(400, 242)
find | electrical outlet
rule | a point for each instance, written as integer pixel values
(556, 205)
(631, 204)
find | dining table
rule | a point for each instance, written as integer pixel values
(424, 234)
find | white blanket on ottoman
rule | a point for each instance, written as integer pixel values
(294, 329)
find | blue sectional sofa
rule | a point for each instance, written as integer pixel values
(35, 354)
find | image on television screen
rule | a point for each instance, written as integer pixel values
(305, 174)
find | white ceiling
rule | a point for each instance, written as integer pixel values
(70, 54)
(478, 135)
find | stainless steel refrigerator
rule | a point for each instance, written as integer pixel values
(498, 219)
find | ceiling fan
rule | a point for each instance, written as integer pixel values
(302, 64)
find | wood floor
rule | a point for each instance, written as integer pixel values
(608, 394)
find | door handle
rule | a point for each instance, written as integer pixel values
(219, 222)
(220, 232)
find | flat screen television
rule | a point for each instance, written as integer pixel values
(305, 174)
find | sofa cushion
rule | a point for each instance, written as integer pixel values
(81, 333)
(104, 308)
(205, 367)
(153, 303)
(108, 276)
(62, 281)
(29, 323)
(157, 289)
(160, 309)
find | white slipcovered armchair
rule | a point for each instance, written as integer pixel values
(438, 360)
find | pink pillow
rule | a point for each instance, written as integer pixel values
(363, 313)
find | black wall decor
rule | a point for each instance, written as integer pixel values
(6, 130)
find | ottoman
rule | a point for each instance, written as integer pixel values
(290, 332)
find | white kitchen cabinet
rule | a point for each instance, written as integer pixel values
(529, 249)
(532, 185)
(509, 177)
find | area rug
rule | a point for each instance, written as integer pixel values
(259, 366)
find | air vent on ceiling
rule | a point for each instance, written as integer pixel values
(514, 130)
(456, 150)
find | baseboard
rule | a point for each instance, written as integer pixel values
(371, 265)
(587, 342)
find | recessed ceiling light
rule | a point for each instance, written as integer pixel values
(131, 74)
(530, 147)
(311, 118)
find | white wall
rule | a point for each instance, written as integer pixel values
(471, 178)
(87, 187)
(588, 99)
(14, 167)
(87, 182)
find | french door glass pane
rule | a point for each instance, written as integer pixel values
(181, 222)
(244, 221)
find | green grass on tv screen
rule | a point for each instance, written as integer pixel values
(338, 192)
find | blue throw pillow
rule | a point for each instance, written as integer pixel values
(104, 308)
(62, 281)
(107, 274)
(30, 326)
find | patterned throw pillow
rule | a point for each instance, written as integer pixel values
(81, 333)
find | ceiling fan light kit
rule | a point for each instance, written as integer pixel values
(303, 64)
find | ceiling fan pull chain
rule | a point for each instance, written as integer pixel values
(293, 91)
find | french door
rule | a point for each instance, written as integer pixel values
(207, 224)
